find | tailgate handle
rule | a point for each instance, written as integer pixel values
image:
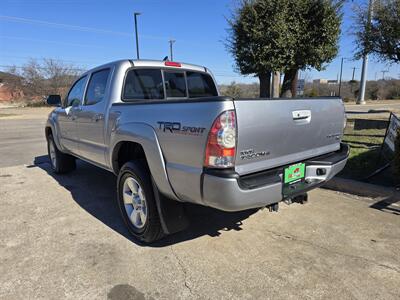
(301, 115)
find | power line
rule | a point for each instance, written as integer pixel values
(51, 42)
(61, 25)
(40, 68)
(57, 59)
(73, 27)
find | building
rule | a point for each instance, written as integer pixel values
(320, 81)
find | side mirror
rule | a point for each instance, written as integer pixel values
(54, 100)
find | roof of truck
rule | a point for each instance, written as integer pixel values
(153, 63)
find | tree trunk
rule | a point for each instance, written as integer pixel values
(293, 85)
(276, 81)
(289, 85)
(265, 85)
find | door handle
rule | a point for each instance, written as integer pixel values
(97, 117)
(301, 115)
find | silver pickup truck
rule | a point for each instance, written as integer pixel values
(168, 135)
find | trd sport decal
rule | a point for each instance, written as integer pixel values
(176, 127)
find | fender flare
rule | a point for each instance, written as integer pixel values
(51, 123)
(144, 135)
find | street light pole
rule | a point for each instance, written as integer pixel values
(340, 78)
(170, 49)
(136, 33)
(363, 81)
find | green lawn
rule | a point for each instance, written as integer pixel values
(6, 115)
(365, 156)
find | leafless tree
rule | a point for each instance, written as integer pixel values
(39, 78)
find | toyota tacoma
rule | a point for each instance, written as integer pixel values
(168, 135)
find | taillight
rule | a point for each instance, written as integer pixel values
(221, 143)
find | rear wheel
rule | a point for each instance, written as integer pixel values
(136, 202)
(60, 162)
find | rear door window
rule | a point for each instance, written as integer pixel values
(143, 84)
(175, 84)
(200, 85)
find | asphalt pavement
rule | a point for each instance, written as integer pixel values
(61, 237)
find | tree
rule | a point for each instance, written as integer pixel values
(233, 90)
(316, 27)
(381, 35)
(59, 75)
(38, 79)
(259, 39)
(283, 36)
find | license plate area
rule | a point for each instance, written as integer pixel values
(293, 178)
(294, 173)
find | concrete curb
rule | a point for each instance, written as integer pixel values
(361, 188)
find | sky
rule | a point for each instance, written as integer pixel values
(88, 33)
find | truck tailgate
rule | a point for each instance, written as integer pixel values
(274, 133)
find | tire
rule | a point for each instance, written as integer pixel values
(60, 162)
(137, 203)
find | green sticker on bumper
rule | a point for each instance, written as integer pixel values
(295, 172)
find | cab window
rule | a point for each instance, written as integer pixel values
(97, 87)
(143, 84)
(200, 85)
(75, 95)
(175, 84)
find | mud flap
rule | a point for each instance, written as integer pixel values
(172, 213)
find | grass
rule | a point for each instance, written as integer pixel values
(6, 115)
(365, 156)
(36, 104)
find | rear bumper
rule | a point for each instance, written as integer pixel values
(230, 192)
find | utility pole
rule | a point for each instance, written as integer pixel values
(171, 42)
(340, 78)
(354, 71)
(363, 81)
(136, 33)
(383, 74)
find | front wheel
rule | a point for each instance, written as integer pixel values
(136, 202)
(60, 162)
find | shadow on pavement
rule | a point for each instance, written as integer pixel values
(385, 205)
(94, 189)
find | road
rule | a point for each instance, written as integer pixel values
(378, 110)
(61, 238)
(392, 105)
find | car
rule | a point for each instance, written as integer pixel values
(170, 138)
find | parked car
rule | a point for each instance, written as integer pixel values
(168, 135)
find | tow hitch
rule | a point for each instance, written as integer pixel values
(273, 207)
(302, 199)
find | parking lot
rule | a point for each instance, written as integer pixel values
(61, 237)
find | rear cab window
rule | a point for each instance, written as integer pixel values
(164, 84)
(175, 84)
(143, 84)
(200, 85)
